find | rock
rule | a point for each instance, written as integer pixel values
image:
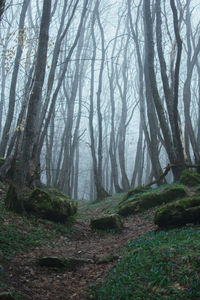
(141, 202)
(190, 178)
(179, 213)
(135, 191)
(107, 222)
(52, 205)
(7, 296)
(67, 264)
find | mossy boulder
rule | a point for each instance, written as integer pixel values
(67, 264)
(135, 191)
(139, 203)
(178, 213)
(111, 222)
(190, 178)
(50, 205)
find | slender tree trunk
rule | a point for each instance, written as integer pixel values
(11, 107)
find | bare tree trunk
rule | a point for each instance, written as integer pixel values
(151, 137)
(9, 118)
(2, 7)
(123, 119)
(169, 146)
(25, 169)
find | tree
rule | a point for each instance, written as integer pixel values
(171, 135)
(25, 169)
(2, 7)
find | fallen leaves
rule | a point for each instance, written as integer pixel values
(36, 283)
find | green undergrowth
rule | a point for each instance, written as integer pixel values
(158, 265)
(19, 233)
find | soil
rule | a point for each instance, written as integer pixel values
(40, 283)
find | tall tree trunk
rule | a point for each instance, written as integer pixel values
(25, 169)
(12, 100)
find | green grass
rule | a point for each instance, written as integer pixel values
(19, 233)
(162, 265)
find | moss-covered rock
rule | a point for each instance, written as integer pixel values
(178, 213)
(107, 222)
(190, 178)
(135, 191)
(67, 264)
(51, 205)
(145, 201)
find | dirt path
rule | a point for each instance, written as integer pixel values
(36, 283)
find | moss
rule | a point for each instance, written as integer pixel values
(135, 191)
(39, 200)
(148, 200)
(173, 192)
(52, 205)
(190, 178)
(178, 213)
(107, 222)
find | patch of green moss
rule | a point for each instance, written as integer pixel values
(52, 205)
(40, 200)
(107, 222)
(178, 213)
(135, 191)
(190, 178)
(148, 200)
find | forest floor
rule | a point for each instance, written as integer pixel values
(24, 276)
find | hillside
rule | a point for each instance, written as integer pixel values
(166, 260)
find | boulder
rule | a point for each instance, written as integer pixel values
(179, 213)
(135, 191)
(190, 178)
(107, 223)
(66, 264)
(52, 205)
(141, 202)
